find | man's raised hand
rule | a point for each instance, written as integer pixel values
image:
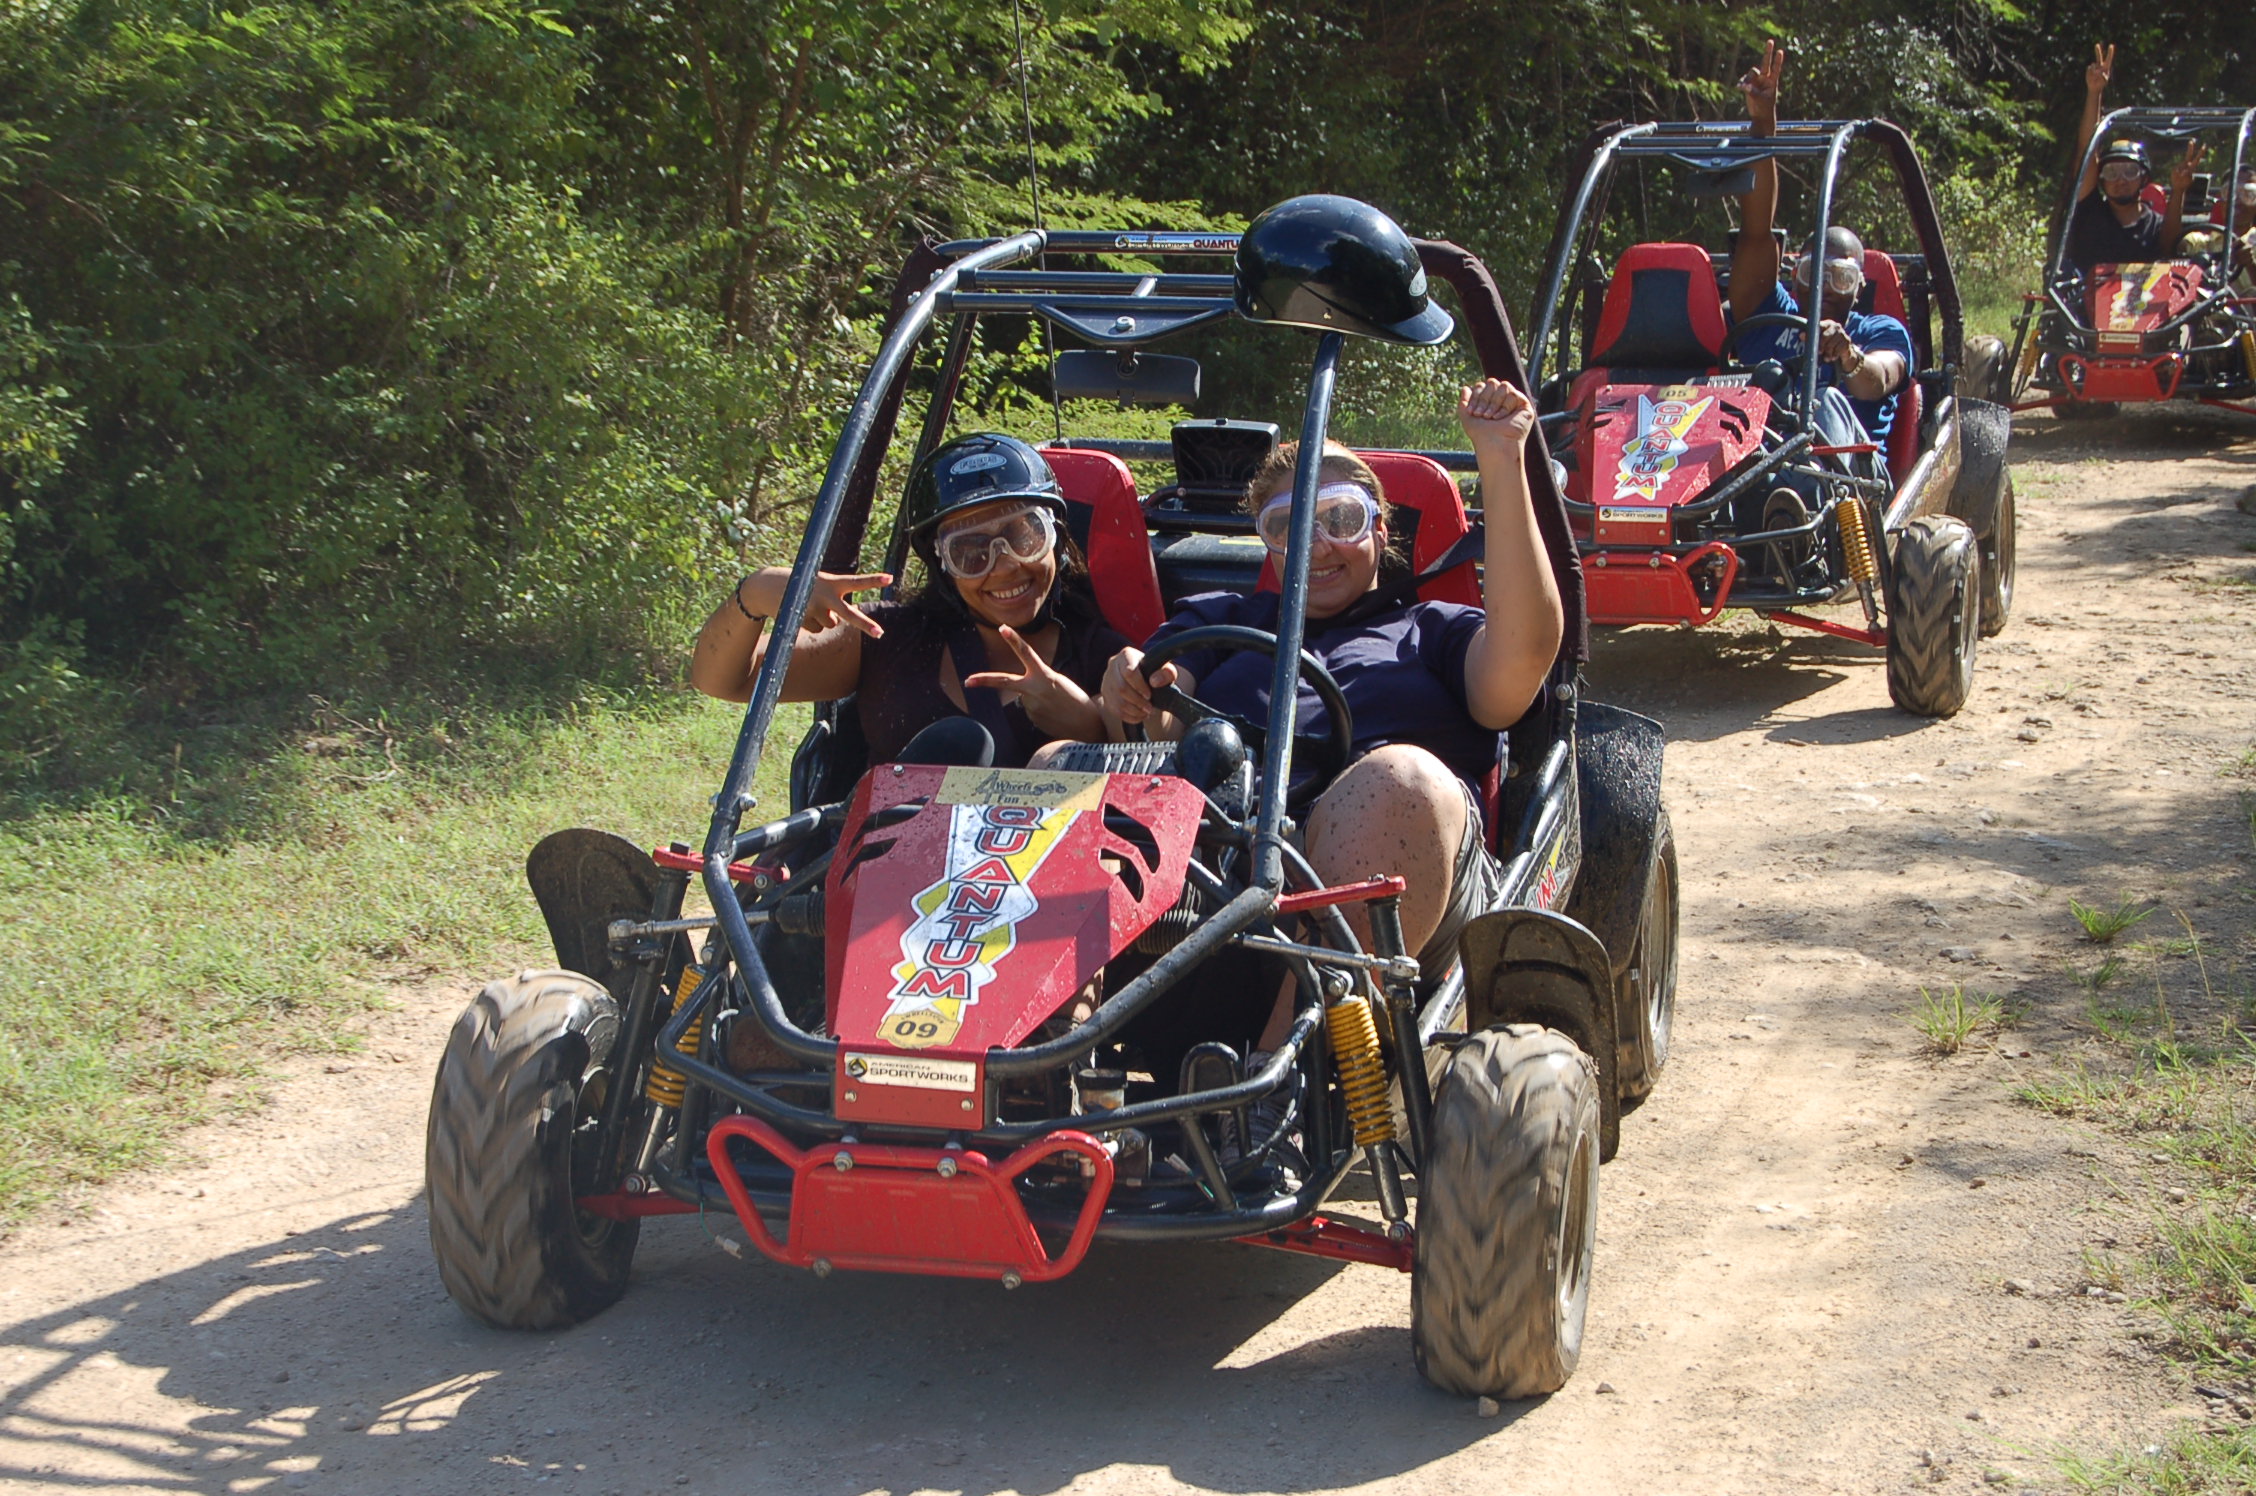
(2101, 70)
(1760, 84)
(1496, 416)
(2181, 170)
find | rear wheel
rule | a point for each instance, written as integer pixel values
(1934, 616)
(510, 1147)
(1997, 564)
(1652, 972)
(1507, 1216)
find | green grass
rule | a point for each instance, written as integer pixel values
(164, 939)
(2194, 1462)
(1947, 1019)
(2178, 1077)
(2102, 925)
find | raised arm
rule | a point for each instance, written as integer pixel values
(1754, 259)
(825, 664)
(2181, 182)
(2096, 76)
(1513, 651)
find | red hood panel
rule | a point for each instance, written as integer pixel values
(2140, 298)
(1642, 449)
(967, 926)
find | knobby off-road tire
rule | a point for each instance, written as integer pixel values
(1652, 970)
(522, 1075)
(1934, 616)
(1507, 1216)
(1998, 561)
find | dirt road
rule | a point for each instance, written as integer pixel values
(1821, 1252)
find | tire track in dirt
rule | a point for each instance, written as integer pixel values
(1804, 1245)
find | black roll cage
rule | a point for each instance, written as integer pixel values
(2063, 281)
(961, 281)
(1720, 148)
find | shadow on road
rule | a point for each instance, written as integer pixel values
(330, 1360)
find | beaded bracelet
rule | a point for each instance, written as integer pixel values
(737, 594)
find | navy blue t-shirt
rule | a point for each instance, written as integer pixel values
(1870, 331)
(1402, 672)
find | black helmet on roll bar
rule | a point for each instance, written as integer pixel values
(1337, 265)
(975, 470)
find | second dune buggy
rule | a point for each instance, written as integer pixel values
(2103, 336)
(917, 944)
(1698, 483)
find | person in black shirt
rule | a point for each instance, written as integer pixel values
(2114, 222)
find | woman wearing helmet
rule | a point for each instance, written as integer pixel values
(1005, 632)
(1429, 684)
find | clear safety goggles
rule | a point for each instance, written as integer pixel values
(1345, 513)
(1842, 277)
(2122, 173)
(2247, 194)
(969, 553)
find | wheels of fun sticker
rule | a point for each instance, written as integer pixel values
(1652, 454)
(968, 920)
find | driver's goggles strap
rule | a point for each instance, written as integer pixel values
(1345, 513)
(968, 555)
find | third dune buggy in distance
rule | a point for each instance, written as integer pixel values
(2104, 335)
(1698, 483)
(571, 1105)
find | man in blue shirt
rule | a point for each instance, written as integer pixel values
(1866, 356)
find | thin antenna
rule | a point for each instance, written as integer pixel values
(1034, 190)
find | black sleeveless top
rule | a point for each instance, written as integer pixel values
(899, 695)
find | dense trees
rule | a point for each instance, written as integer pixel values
(337, 336)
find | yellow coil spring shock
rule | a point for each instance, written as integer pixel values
(2030, 353)
(667, 1085)
(1856, 541)
(1355, 1049)
(2248, 351)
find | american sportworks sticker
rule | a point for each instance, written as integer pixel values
(968, 920)
(914, 1073)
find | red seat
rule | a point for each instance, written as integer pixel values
(1435, 512)
(1662, 311)
(1888, 301)
(1106, 520)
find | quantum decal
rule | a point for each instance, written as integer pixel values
(1652, 454)
(968, 921)
(2138, 284)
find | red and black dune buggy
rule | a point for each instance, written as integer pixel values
(1000, 1002)
(1698, 483)
(2104, 336)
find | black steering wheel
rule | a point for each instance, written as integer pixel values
(1325, 756)
(1762, 320)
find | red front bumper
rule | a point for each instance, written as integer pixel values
(1656, 586)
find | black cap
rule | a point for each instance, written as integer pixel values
(1339, 265)
(975, 470)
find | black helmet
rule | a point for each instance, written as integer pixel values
(2127, 150)
(1339, 265)
(974, 470)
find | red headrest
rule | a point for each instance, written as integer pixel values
(1662, 311)
(1887, 286)
(1107, 522)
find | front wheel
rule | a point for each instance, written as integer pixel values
(1652, 974)
(1934, 616)
(1997, 564)
(510, 1147)
(1507, 1216)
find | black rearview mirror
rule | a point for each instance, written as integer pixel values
(1127, 377)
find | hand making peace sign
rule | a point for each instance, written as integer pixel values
(1052, 701)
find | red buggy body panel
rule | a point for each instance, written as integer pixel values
(1641, 450)
(965, 927)
(2128, 305)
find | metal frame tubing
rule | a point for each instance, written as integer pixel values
(1292, 621)
(767, 690)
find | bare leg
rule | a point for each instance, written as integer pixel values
(1395, 810)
